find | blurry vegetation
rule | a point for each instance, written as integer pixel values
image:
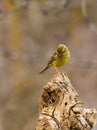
(30, 30)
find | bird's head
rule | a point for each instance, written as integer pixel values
(61, 48)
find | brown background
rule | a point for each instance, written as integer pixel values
(29, 33)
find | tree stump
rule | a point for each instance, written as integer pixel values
(62, 109)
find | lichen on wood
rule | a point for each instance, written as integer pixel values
(62, 109)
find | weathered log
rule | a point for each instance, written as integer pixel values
(62, 109)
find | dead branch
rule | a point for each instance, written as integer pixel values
(62, 109)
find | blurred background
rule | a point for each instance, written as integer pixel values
(30, 31)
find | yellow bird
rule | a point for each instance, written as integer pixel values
(59, 58)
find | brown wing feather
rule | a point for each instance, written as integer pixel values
(50, 62)
(44, 70)
(52, 59)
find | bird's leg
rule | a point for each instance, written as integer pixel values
(63, 76)
(56, 70)
(62, 73)
(64, 80)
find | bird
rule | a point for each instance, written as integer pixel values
(59, 58)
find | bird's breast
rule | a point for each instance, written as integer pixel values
(61, 61)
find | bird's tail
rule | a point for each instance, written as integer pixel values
(41, 72)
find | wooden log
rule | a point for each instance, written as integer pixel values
(62, 109)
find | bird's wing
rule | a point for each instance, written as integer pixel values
(52, 59)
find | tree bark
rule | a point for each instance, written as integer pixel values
(62, 109)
